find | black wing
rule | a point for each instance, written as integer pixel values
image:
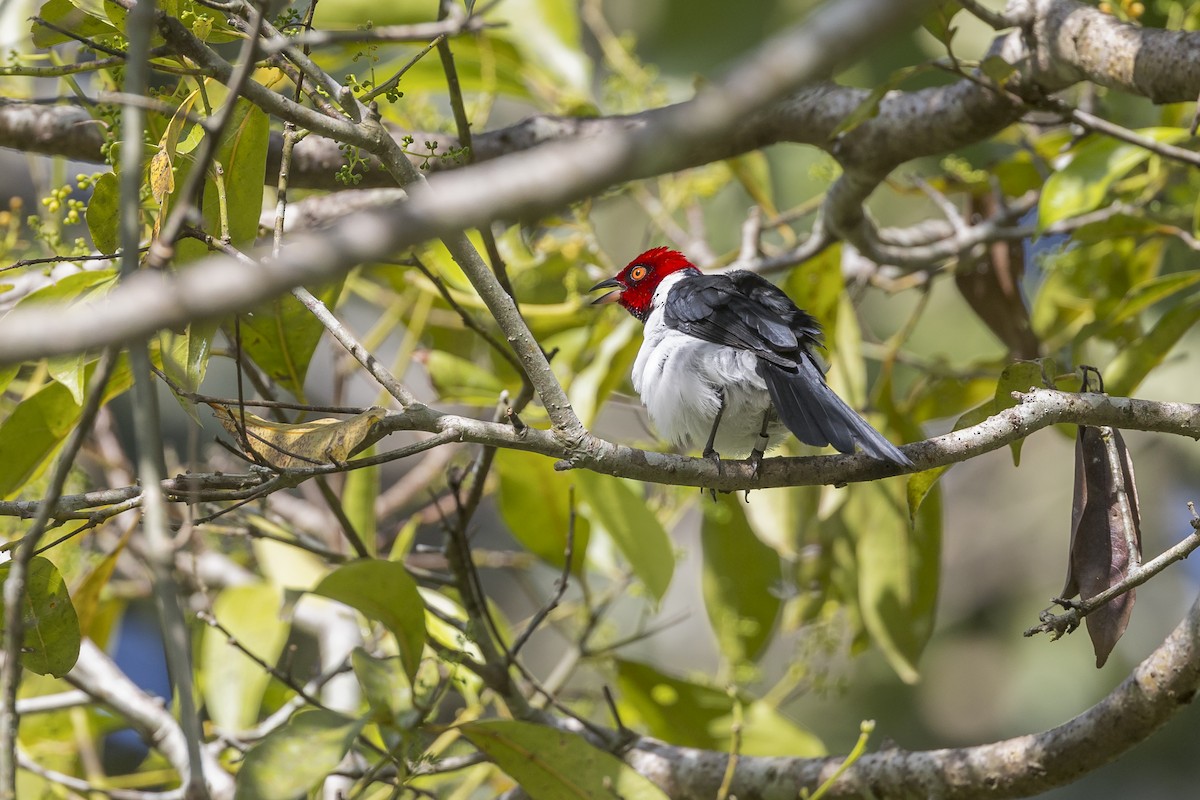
(763, 292)
(743, 310)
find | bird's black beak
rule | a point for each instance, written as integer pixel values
(611, 297)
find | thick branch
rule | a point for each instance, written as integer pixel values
(1158, 688)
(526, 184)
(1074, 43)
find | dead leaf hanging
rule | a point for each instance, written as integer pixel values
(304, 444)
(1106, 539)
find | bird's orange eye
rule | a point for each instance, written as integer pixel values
(637, 273)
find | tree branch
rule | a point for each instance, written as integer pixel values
(97, 675)
(1146, 700)
(1036, 410)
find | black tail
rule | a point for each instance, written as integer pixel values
(810, 409)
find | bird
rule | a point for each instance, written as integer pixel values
(728, 359)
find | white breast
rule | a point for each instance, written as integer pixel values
(678, 376)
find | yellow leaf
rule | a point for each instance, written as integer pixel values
(162, 177)
(305, 444)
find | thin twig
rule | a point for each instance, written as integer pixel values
(1100, 125)
(1057, 624)
(735, 748)
(394, 81)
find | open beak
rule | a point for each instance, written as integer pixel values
(611, 297)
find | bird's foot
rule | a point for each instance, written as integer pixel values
(755, 459)
(715, 457)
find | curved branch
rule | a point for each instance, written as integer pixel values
(1036, 410)
(524, 184)
(98, 676)
(1071, 43)
(1152, 694)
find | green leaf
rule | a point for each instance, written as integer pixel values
(185, 357)
(1147, 293)
(937, 21)
(918, 487)
(753, 172)
(897, 570)
(385, 592)
(295, 757)
(766, 732)
(867, 109)
(610, 355)
(74, 288)
(1130, 367)
(781, 517)
(740, 581)
(50, 644)
(104, 214)
(920, 484)
(31, 433)
(690, 714)
(550, 764)
(997, 69)
(233, 683)
(675, 710)
(535, 503)
(486, 62)
(615, 506)
(7, 373)
(282, 335)
(69, 371)
(447, 625)
(949, 396)
(1082, 184)
(67, 15)
(243, 154)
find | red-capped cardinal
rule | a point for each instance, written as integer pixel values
(727, 359)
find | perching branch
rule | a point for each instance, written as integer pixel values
(1036, 410)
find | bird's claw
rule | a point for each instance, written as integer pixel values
(715, 457)
(755, 459)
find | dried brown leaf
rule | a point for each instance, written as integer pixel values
(305, 444)
(1105, 533)
(991, 285)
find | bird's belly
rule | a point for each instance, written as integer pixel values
(678, 378)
